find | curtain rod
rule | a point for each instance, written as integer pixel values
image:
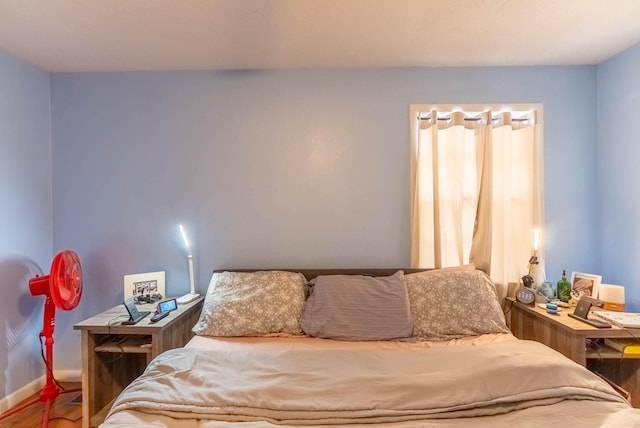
(514, 119)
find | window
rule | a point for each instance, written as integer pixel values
(476, 188)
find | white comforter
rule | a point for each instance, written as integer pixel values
(392, 385)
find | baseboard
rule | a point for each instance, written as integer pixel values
(68, 375)
(35, 386)
(21, 394)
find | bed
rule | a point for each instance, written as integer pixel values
(389, 348)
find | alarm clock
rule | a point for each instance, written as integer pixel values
(167, 305)
(525, 295)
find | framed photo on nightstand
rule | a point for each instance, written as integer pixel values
(585, 283)
(142, 284)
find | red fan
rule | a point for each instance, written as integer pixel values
(62, 289)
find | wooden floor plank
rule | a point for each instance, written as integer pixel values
(65, 413)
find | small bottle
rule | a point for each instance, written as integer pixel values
(563, 288)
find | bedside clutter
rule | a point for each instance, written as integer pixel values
(626, 346)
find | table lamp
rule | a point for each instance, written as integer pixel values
(612, 297)
(192, 295)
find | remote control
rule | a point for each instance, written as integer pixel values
(157, 317)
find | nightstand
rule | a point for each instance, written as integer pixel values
(571, 337)
(114, 354)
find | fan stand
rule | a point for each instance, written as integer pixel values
(51, 389)
(66, 275)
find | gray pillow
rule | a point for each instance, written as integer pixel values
(451, 304)
(356, 307)
(252, 304)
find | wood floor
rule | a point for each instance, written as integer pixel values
(65, 413)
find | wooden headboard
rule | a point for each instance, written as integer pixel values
(309, 274)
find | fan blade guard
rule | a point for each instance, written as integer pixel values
(66, 280)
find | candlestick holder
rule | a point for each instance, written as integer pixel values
(528, 280)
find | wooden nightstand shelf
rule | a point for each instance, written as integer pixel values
(114, 354)
(571, 338)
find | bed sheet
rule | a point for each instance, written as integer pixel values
(532, 400)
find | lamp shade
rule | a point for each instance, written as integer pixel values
(612, 297)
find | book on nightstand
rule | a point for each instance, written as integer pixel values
(620, 319)
(626, 346)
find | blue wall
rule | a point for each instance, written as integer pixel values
(25, 217)
(618, 172)
(283, 168)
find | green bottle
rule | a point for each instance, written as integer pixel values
(564, 288)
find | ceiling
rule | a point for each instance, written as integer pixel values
(118, 35)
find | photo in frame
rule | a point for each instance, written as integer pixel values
(585, 283)
(142, 284)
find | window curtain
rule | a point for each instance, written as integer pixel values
(476, 194)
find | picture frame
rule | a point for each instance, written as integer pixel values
(142, 284)
(585, 283)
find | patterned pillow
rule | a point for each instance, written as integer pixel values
(252, 304)
(451, 304)
(356, 307)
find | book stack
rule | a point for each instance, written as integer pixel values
(626, 346)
